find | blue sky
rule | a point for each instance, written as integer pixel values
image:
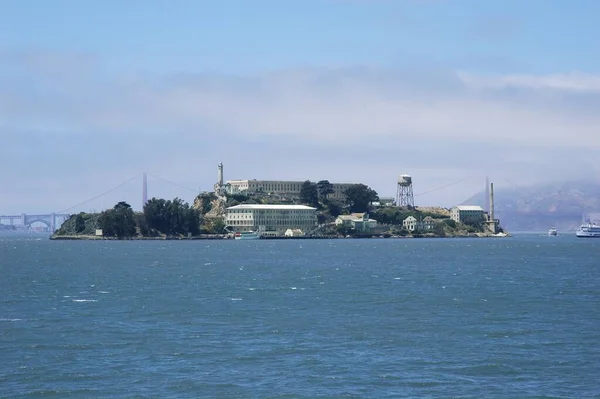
(92, 93)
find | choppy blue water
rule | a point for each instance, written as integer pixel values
(438, 318)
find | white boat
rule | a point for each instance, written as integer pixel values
(588, 230)
(246, 235)
(552, 231)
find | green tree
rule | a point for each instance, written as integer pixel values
(451, 223)
(174, 217)
(79, 223)
(309, 193)
(359, 197)
(140, 220)
(192, 221)
(395, 215)
(438, 230)
(324, 188)
(156, 214)
(215, 226)
(321, 218)
(335, 208)
(118, 221)
(240, 198)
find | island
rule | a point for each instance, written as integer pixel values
(360, 215)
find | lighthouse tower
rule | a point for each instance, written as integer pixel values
(220, 186)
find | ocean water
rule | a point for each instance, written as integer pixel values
(407, 318)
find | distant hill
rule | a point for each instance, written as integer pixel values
(538, 207)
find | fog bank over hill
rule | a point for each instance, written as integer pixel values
(538, 207)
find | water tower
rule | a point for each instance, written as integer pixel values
(404, 194)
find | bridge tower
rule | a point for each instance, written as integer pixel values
(52, 222)
(144, 191)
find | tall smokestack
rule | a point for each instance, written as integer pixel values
(487, 195)
(144, 190)
(492, 201)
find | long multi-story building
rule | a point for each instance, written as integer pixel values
(279, 187)
(468, 214)
(273, 219)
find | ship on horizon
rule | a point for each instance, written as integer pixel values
(588, 230)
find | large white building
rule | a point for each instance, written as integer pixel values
(468, 214)
(263, 186)
(279, 187)
(271, 219)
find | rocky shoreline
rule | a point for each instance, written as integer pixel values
(138, 238)
(229, 237)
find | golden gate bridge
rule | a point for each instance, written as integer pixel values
(53, 220)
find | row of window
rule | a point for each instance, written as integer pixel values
(277, 211)
(278, 220)
(288, 223)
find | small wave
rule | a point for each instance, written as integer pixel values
(236, 299)
(293, 288)
(104, 292)
(85, 300)
(397, 278)
(251, 289)
(11, 319)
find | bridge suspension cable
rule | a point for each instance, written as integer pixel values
(102, 194)
(194, 190)
(514, 184)
(443, 187)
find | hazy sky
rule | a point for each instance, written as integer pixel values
(93, 93)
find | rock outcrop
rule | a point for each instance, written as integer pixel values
(210, 205)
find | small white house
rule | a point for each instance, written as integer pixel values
(410, 223)
(344, 220)
(428, 223)
(357, 221)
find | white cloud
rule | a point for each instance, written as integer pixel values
(322, 105)
(358, 105)
(376, 123)
(575, 81)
